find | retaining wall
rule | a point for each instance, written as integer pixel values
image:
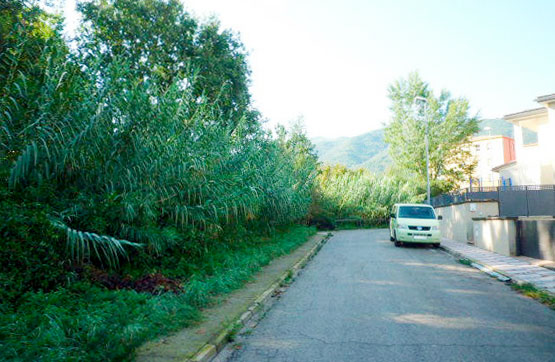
(457, 221)
(496, 234)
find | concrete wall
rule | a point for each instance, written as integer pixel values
(496, 234)
(457, 219)
(536, 237)
(479, 223)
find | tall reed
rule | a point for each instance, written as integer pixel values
(342, 193)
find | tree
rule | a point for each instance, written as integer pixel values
(162, 43)
(450, 129)
(223, 72)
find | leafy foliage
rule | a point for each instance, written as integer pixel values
(158, 174)
(31, 256)
(343, 193)
(160, 41)
(82, 244)
(133, 158)
(450, 128)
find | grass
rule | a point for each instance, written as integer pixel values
(465, 261)
(530, 291)
(234, 331)
(87, 322)
(288, 279)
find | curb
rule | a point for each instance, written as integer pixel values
(492, 271)
(478, 263)
(214, 346)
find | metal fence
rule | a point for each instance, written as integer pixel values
(514, 201)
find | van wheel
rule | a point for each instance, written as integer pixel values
(391, 238)
(398, 243)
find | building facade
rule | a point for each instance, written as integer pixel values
(535, 162)
(488, 152)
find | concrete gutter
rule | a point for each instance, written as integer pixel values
(211, 349)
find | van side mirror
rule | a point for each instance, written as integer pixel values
(392, 215)
(439, 217)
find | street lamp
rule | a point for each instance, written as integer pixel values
(422, 99)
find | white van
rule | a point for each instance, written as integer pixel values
(414, 223)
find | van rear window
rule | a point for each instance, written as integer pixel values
(416, 212)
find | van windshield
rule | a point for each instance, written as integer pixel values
(416, 212)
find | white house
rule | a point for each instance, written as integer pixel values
(535, 162)
(490, 151)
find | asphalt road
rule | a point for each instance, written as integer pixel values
(363, 299)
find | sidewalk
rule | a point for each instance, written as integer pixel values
(518, 270)
(202, 341)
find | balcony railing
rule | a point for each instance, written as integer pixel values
(514, 201)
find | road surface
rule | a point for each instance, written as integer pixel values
(363, 299)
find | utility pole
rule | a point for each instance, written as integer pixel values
(422, 99)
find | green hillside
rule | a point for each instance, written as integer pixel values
(498, 127)
(501, 127)
(378, 163)
(355, 152)
(370, 151)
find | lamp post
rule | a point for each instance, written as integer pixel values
(422, 99)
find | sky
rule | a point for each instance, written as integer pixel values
(331, 61)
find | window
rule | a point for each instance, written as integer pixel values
(416, 212)
(529, 137)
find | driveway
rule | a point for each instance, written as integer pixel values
(363, 299)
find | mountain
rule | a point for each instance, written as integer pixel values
(370, 151)
(502, 127)
(497, 127)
